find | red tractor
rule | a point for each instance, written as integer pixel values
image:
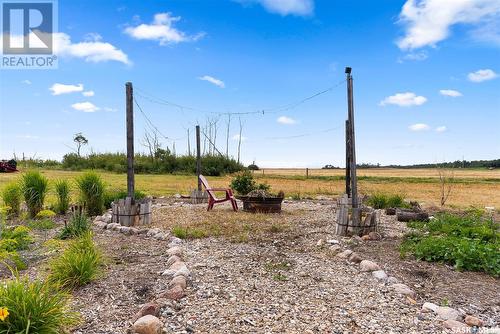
(9, 166)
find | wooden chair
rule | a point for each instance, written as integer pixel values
(212, 199)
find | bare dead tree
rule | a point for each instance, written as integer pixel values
(239, 139)
(214, 122)
(151, 142)
(227, 134)
(189, 144)
(446, 183)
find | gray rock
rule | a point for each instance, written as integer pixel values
(456, 326)
(403, 289)
(100, 224)
(147, 324)
(367, 265)
(124, 229)
(354, 257)
(448, 313)
(380, 275)
(429, 307)
(176, 250)
(392, 280)
(345, 254)
(171, 260)
(153, 231)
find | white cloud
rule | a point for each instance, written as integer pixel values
(27, 82)
(85, 107)
(59, 89)
(482, 75)
(286, 120)
(419, 127)
(450, 92)
(414, 56)
(108, 109)
(441, 128)
(237, 137)
(88, 93)
(428, 22)
(286, 7)
(91, 50)
(407, 99)
(213, 80)
(161, 29)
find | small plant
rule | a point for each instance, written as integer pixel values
(92, 191)
(115, 194)
(188, 232)
(45, 214)
(78, 225)
(12, 198)
(243, 183)
(78, 265)
(384, 201)
(35, 307)
(34, 187)
(19, 234)
(62, 192)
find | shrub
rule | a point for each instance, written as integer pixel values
(112, 195)
(34, 187)
(78, 265)
(78, 225)
(35, 307)
(19, 234)
(92, 191)
(12, 198)
(383, 201)
(44, 214)
(62, 192)
(243, 183)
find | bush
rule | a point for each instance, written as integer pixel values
(11, 196)
(19, 234)
(384, 201)
(112, 195)
(44, 214)
(78, 265)
(78, 225)
(35, 307)
(467, 242)
(243, 183)
(34, 187)
(62, 192)
(92, 191)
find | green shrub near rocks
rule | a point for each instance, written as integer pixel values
(12, 198)
(34, 187)
(92, 191)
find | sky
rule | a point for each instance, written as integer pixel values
(426, 79)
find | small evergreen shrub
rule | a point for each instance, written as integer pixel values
(11, 196)
(34, 187)
(92, 191)
(78, 265)
(35, 307)
(62, 192)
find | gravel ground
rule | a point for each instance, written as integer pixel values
(281, 282)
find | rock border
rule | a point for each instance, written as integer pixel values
(146, 320)
(457, 321)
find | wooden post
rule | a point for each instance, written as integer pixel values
(198, 156)
(130, 140)
(307, 173)
(356, 212)
(347, 160)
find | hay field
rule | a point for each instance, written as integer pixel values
(478, 188)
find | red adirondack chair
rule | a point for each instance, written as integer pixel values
(212, 199)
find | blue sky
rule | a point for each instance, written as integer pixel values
(425, 78)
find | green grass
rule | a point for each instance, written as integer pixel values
(11, 196)
(35, 307)
(383, 201)
(34, 187)
(116, 194)
(469, 242)
(41, 224)
(63, 195)
(79, 264)
(78, 225)
(92, 190)
(188, 232)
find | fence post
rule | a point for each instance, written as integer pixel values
(130, 139)
(198, 156)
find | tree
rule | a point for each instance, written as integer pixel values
(79, 140)
(446, 182)
(151, 142)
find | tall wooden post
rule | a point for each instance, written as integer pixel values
(356, 213)
(130, 139)
(198, 156)
(347, 159)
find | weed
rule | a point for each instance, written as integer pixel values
(188, 232)
(280, 277)
(34, 187)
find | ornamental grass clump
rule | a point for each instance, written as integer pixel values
(92, 190)
(11, 196)
(78, 265)
(62, 192)
(78, 225)
(34, 307)
(34, 187)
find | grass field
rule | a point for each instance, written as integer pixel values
(472, 187)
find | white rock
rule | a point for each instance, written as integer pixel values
(113, 226)
(403, 289)
(160, 236)
(107, 217)
(320, 243)
(124, 229)
(134, 231)
(333, 242)
(183, 272)
(169, 273)
(174, 241)
(427, 307)
(448, 313)
(100, 224)
(367, 265)
(380, 275)
(176, 250)
(153, 231)
(392, 280)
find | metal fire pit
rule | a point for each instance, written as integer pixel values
(261, 204)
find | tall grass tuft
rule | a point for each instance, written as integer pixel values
(11, 196)
(62, 192)
(34, 187)
(78, 225)
(78, 265)
(35, 307)
(383, 201)
(92, 191)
